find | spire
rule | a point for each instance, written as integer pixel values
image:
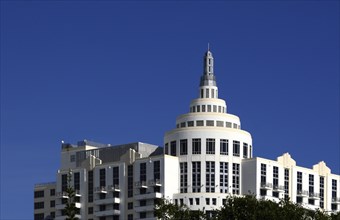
(208, 77)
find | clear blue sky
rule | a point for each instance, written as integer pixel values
(117, 72)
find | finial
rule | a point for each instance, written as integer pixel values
(208, 47)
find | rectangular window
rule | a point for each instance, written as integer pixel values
(299, 182)
(166, 148)
(212, 92)
(224, 147)
(322, 192)
(210, 176)
(209, 108)
(173, 148)
(202, 93)
(130, 217)
(234, 125)
(183, 147)
(76, 181)
(142, 170)
(311, 184)
(196, 176)
(115, 177)
(207, 93)
(72, 158)
(334, 188)
(38, 205)
(52, 203)
(203, 108)
(183, 124)
(52, 192)
(223, 177)
(200, 123)
(130, 205)
(39, 216)
(157, 170)
(236, 178)
(130, 180)
(102, 177)
(215, 108)
(190, 123)
(90, 210)
(63, 182)
(228, 124)
(245, 150)
(263, 174)
(275, 176)
(198, 108)
(236, 148)
(197, 200)
(183, 177)
(90, 186)
(210, 123)
(196, 146)
(219, 123)
(210, 145)
(39, 194)
(219, 109)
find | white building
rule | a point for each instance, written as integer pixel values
(206, 157)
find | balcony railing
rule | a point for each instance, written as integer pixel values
(279, 188)
(266, 185)
(101, 189)
(155, 182)
(62, 195)
(302, 193)
(314, 195)
(141, 184)
(335, 200)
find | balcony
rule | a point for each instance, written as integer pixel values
(107, 201)
(61, 195)
(147, 208)
(313, 195)
(112, 188)
(302, 193)
(148, 196)
(335, 200)
(266, 186)
(77, 193)
(110, 212)
(141, 184)
(60, 206)
(279, 188)
(64, 217)
(101, 189)
(155, 182)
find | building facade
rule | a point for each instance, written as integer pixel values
(204, 159)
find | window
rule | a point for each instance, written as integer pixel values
(210, 176)
(334, 188)
(201, 93)
(72, 158)
(207, 93)
(196, 146)
(39, 216)
(63, 182)
(52, 203)
(212, 92)
(157, 170)
(215, 108)
(234, 125)
(275, 176)
(90, 210)
(39, 194)
(228, 124)
(142, 170)
(142, 203)
(90, 186)
(196, 176)
(219, 123)
(184, 177)
(207, 201)
(236, 178)
(52, 192)
(183, 147)
(236, 148)
(190, 123)
(173, 148)
(142, 215)
(209, 108)
(210, 144)
(197, 200)
(203, 108)
(214, 201)
(245, 150)
(223, 177)
(76, 181)
(219, 109)
(311, 184)
(200, 123)
(263, 174)
(52, 214)
(322, 192)
(130, 216)
(182, 124)
(210, 123)
(191, 201)
(198, 108)
(38, 205)
(102, 177)
(299, 182)
(224, 147)
(166, 148)
(115, 176)
(130, 180)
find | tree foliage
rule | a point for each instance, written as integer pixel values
(70, 208)
(245, 208)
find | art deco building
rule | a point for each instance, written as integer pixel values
(205, 158)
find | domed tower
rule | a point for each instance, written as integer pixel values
(210, 145)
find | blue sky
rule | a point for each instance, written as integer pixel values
(119, 72)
